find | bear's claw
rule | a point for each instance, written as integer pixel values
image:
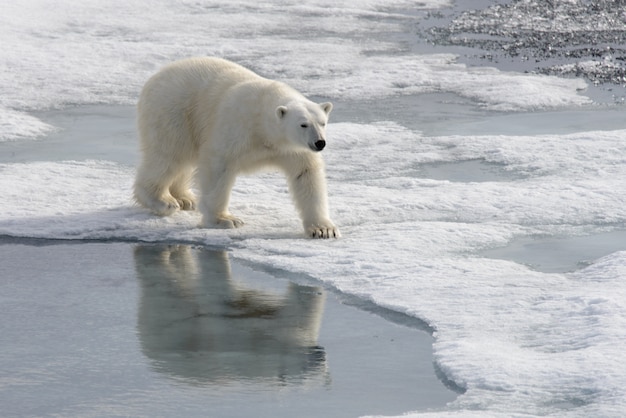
(331, 231)
(186, 204)
(165, 207)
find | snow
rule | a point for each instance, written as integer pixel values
(16, 125)
(75, 53)
(518, 341)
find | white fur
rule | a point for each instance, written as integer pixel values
(217, 118)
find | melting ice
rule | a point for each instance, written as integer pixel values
(519, 341)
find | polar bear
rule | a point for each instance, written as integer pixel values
(216, 119)
(194, 314)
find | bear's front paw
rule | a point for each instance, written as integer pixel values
(324, 229)
(226, 221)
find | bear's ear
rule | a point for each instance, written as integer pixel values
(326, 107)
(281, 111)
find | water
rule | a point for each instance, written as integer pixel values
(105, 329)
(560, 254)
(85, 132)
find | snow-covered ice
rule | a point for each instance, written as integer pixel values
(517, 340)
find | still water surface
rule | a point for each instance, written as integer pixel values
(122, 329)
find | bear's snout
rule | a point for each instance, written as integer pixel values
(319, 145)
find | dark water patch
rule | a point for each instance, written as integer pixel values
(469, 171)
(554, 122)
(444, 114)
(576, 39)
(429, 113)
(95, 132)
(163, 330)
(560, 254)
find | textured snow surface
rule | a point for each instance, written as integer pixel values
(518, 341)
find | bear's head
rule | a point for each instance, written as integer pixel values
(304, 123)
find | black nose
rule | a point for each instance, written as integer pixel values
(320, 144)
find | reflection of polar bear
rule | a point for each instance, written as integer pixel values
(197, 323)
(223, 119)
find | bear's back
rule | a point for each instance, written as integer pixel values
(210, 69)
(181, 80)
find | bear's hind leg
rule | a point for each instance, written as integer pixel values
(152, 190)
(181, 190)
(158, 200)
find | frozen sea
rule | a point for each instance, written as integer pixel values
(487, 203)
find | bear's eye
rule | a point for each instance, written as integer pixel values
(304, 125)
